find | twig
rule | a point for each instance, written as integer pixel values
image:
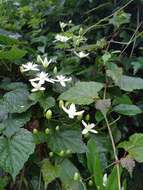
(106, 18)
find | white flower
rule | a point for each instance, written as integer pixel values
(88, 128)
(45, 62)
(61, 38)
(29, 67)
(37, 87)
(105, 179)
(72, 111)
(62, 25)
(81, 54)
(62, 79)
(42, 78)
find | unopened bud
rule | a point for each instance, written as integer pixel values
(57, 128)
(87, 117)
(35, 131)
(68, 151)
(47, 131)
(49, 114)
(55, 70)
(61, 103)
(90, 183)
(62, 153)
(76, 176)
(51, 154)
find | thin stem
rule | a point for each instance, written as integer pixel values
(114, 150)
(106, 18)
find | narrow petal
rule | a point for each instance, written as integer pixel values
(79, 112)
(65, 109)
(93, 131)
(92, 125)
(84, 124)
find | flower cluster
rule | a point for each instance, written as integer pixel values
(42, 77)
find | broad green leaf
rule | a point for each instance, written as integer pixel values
(126, 83)
(134, 146)
(16, 101)
(49, 171)
(8, 85)
(83, 93)
(13, 54)
(13, 124)
(93, 163)
(127, 109)
(66, 139)
(15, 151)
(129, 84)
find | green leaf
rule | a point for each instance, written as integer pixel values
(127, 109)
(83, 93)
(130, 83)
(15, 151)
(13, 124)
(134, 146)
(66, 139)
(93, 162)
(13, 54)
(16, 101)
(49, 172)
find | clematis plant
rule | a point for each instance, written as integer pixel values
(42, 78)
(45, 62)
(88, 128)
(37, 87)
(71, 111)
(29, 67)
(62, 80)
(81, 54)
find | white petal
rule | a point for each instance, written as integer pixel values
(63, 83)
(79, 112)
(72, 108)
(84, 131)
(65, 109)
(93, 131)
(71, 116)
(92, 125)
(83, 122)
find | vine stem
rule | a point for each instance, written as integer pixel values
(114, 150)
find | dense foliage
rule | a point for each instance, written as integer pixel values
(71, 94)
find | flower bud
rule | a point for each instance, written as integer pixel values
(35, 131)
(67, 104)
(68, 151)
(90, 183)
(51, 154)
(49, 114)
(76, 176)
(62, 153)
(47, 131)
(55, 70)
(61, 103)
(57, 128)
(87, 117)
